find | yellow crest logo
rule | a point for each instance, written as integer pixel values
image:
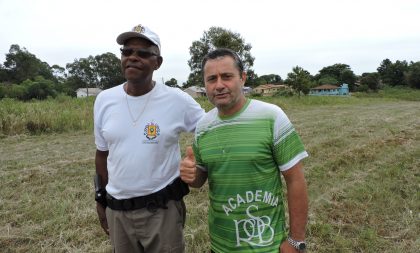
(151, 131)
(138, 28)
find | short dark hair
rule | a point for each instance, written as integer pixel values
(219, 52)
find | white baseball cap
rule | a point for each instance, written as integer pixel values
(139, 31)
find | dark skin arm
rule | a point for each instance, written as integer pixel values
(102, 171)
(297, 199)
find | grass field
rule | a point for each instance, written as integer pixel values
(363, 177)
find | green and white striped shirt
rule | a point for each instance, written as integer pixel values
(243, 155)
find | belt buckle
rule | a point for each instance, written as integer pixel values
(152, 206)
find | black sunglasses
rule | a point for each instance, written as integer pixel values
(139, 52)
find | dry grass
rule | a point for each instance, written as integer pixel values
(363, 177)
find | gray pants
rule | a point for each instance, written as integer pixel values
(142, 231)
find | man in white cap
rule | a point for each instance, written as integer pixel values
(137, 126)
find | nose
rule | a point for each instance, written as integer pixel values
(133, 57)
(219, 84)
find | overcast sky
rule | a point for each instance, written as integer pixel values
(283, 33)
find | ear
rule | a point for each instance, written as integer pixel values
(243, 77)
(159, 62)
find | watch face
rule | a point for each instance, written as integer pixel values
(302, 246)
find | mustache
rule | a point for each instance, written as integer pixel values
(225, 91)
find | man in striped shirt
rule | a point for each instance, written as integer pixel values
(242, 146)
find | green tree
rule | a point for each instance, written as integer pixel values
(81, 73)
(102, 71)
(217, 37)
(271, 79)
(300, 80)
(3, 74)
(40, 88)
(348, 77)
(385, 71)
(413, 75)
(2, 91)
(370, 81)
(59, 73)
(65, 88)
(21, 65)
(255, 80)
(193, 80)
(327, 80)
(393, 73)
(340, 72)
(172, 83)
(16, 91)
(108, 70)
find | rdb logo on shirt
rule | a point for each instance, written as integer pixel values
(151, 131)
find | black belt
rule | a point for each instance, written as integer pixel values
(174, 191)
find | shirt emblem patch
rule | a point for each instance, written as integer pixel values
(151, 131)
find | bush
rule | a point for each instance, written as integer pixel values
(284, 93)
(2, 92)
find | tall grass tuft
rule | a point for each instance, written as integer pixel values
(58, 115)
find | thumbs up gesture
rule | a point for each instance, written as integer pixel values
(188, 167)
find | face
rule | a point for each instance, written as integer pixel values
(143, 60)
(224, 84)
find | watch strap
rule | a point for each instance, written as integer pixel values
(299, 245)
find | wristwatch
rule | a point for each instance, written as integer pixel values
(299, 245)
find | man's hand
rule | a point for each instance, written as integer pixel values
(188, 170)
(102, 217)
